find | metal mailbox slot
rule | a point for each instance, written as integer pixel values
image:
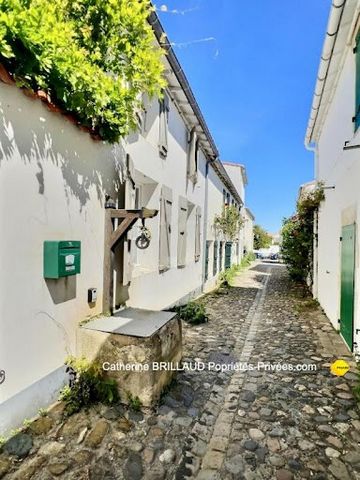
(61, 258)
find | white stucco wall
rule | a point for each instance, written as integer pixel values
(53, 179)
(339, 168)
(215, 207)
(235, 173)
(248, 232)
(149, 289)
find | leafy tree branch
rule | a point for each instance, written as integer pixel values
(298, 236)
(93, 58)
(229, 222)
(261, 238)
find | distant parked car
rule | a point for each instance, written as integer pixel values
(261, 254)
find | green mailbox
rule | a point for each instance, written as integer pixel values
(61, 258)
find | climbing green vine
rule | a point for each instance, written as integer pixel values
(298, 236)
(229, 222)
(93, 58)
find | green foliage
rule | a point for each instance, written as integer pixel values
(27, 422)
(229, 222)
(42, 412)
(308, 305)
(357, 386)
(94, 58)
(193, 313)
(228, 275)
(88, 387)
(298, 236)
(261, 238)
(134, 402)
(247, 259)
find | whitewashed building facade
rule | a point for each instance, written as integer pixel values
(248, 230)
(333, 134)
(54, 179)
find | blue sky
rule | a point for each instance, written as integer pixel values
(254, 84)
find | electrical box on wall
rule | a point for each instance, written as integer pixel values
(92, 295)
(61, 258)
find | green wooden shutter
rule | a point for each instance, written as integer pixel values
(215, 258)
(207, 248)
(347, 284)
(221, 250)
(228, 248)
(357, 84)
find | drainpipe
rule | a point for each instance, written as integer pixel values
(336, 13)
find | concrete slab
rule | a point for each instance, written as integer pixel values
(133, 322)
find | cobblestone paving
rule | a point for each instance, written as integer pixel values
(252, 424)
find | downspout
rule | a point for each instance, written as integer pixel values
(337, 10)
(336, 13)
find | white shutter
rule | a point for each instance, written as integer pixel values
(182, 232)
(128, 263)
(130, 195)
(192, 156)
(163, 125)
(129, 183)
(165, 229)
(198, 234)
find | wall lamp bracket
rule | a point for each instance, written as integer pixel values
(349, 147)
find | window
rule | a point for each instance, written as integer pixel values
(163, 125)
(165, 229)
(182, 232)
(198, 234)
(224, 196)
(193, 156)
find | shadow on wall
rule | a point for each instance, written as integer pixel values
(62, 289)
(29, 131)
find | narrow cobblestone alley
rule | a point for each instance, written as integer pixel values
(252, 424)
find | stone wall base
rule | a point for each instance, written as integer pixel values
(113, 350)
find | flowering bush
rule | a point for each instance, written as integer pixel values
(93, 58)
(298, 236)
